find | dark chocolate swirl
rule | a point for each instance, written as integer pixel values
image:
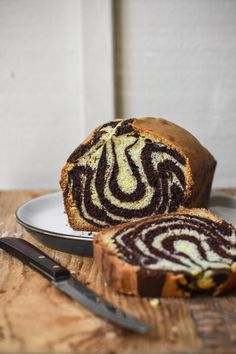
(120, 175)
(179, 243)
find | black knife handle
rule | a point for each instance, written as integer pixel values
(34, 258)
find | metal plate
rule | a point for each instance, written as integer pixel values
(223, 205)
(45, 219)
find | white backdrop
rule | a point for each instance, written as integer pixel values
(174, 59)
(177, 59)
(56, 84)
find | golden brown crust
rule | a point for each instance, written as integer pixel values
(124, 277)
(119, 275)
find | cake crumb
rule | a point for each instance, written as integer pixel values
(173, 334)
(110, 335)
(154, 302)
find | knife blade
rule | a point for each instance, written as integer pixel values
(63, 280)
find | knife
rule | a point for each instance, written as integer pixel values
(62, 279)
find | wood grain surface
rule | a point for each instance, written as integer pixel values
(37, 318)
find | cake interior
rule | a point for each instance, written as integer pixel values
(180, 243)
(120, 175)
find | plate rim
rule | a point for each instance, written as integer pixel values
(45, 232)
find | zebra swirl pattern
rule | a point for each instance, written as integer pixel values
(119, 175)
(178, 243)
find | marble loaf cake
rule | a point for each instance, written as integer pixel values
(133, 168)
(181, 254)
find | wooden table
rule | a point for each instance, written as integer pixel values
(37, 318)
